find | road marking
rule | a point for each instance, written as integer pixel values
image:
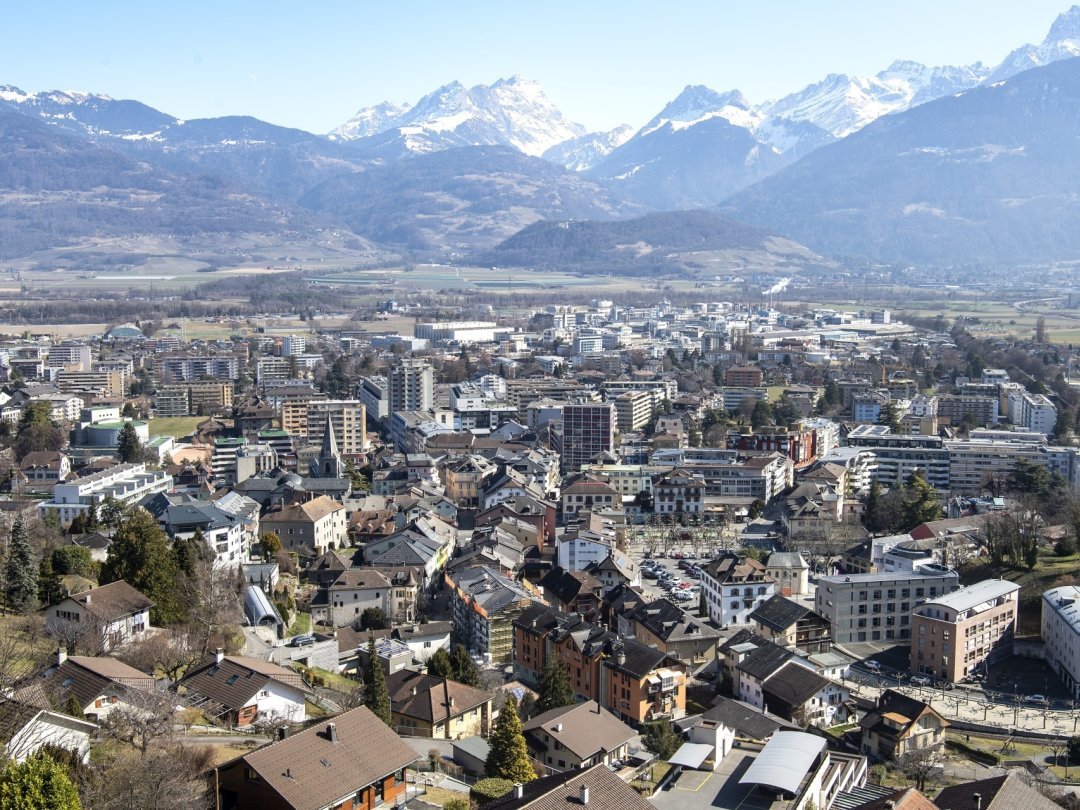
(695, 790)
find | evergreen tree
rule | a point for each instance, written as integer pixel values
(440, 665)
(140, 555)
(189, 550)
(661, 739)
(921, 502)
(376, 694)
(20, 571)
(872, 508)
(509, 757)
(92, 524)
(555, 690)
(465, 670)
(49, 591)
(128, 446)
(38, 783)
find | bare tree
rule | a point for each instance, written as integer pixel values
(169, 652)
(142, 719)
(158, 779)
(920, 765)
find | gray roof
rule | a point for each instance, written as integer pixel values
(746, 720)
(974, 595)
(778, 613)
(784, 761)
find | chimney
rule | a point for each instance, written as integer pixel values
(331, 732)
(519, 790)
(86, 599)
(414, 691)
(583, 794)
(283, 732)
(977, 798)
(61, 654)
(219, 656)
(558, 728)
(451, 701)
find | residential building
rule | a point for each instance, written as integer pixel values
(484, 604)
(634, 410)
(634, 681)
(352, 761)
(669, 628)
(955, 635)
(306, 421)
(573, 592)
(127, 483)
(411, 386)
(424, 705)
(98, 684)
(899, 455)
(374, 395)
(586, 492)
(596, 787)
(577, 736)
(588, 431)
(100, 619)
(1007, 792)
(734, 586)
(797, 693)
(792, 624)
(309, 528)
(1061, 634)
(878, 606)
(29, 728)
(240, 690)
(743, 376)
(900, 724)
(678, 492)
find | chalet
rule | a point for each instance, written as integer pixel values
(352, 762)
(429, 706)
(900, 724)
(240, 690)
(100, 619)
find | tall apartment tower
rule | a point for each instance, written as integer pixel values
(588, 429)
(412, 386)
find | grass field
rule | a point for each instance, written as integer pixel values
(177, 426)
(1048, 571)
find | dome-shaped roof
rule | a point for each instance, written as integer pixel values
(125, 331)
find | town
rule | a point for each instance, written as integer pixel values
(618, 553)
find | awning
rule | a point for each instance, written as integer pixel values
(691, 755)
(784, 761)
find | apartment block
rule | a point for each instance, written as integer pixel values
(878, 606)
(1061, 634)
(412, 386)
(956, 635)
(588, 430)
(127, 483)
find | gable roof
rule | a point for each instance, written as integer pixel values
(765, 660)
(583, 728)
(566, 586)
(88, 677)
(995, 793)
(431, 698)
(560, 791)
(794, 684)
(110, 602)
(733, 568)
(745, 719)
(310, 770)
(236, 679)
(778, 613)
(669, 622)
(899, 707)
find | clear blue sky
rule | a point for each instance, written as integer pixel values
(312, 65)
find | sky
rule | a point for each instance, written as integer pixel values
(603, 63)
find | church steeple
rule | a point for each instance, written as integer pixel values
(330, 463)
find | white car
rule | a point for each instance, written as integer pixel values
(873, 666)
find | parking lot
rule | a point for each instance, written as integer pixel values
(664, 577)
(704, 790)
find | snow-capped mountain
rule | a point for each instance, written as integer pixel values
(1062, 42)
(697, 103)
(511, 112)
(87, 113)
(842, 104)
(581, 154)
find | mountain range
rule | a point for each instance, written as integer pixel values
(461, 169)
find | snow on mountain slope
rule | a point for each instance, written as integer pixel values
(842, 104)
(697, 103)
(511, 112)
(581, 154)
(1062, 42)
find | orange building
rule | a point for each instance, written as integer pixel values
(636, 682)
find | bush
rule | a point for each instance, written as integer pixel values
(456, 804)
(1065, 547)
(488, 790)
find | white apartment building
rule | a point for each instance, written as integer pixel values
(1061, 634)
(127, 483)
(412, 386)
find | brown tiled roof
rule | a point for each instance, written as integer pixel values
(88, 677)
(996, 793)
(237, 679)
(431, 702)
(561, 791)
(113, 601)
(584, 728)
(309, 511)
(309, 771)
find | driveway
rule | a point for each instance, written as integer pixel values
(703, 790)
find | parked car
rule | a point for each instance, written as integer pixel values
(304, 640)
(1036, 699)
(921, 680)
(872, 665)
